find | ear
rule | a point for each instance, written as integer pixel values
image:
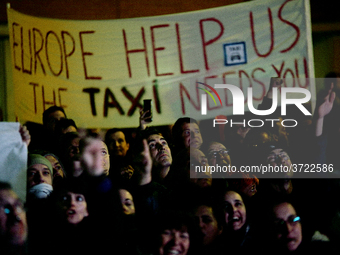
(86, 213)
(128, 145)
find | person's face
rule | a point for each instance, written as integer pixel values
(197, 158)
(105, 158)
(74, 207)
(174, 241)
(159, 150)
(287, 226)
(57, 169)
(218, 154)
(53, 118)
(127, 202)
(73, 148)
(13, 224)
(208, 224)
(278, 157)
(237, 218)
(118, 145)
(191, 135)
(37, 174)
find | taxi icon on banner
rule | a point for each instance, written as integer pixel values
(235, 53)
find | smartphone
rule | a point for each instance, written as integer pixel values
(148, 107)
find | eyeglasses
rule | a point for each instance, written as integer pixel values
(9, 209)
(292, 221)
(277, 158)
(220, 153)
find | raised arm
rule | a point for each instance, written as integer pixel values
(25, 135)
(323, 109)
(143, 164)
(143, 121)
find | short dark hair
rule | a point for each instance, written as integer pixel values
(215, 203)
(48, 111)
(112, 131)
(177, 130)
(151, 131)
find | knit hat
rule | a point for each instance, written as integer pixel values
(34, 159)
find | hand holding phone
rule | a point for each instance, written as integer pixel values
(147, 110)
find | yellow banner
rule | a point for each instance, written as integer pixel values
(101, 70)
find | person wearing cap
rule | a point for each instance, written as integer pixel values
(39, 170)
(38, 202)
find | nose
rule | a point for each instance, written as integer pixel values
(117, 144)
(176, 239)
(288, 228)
(201, 224)
(125, 209)
(70, 202)
(160, 146)
(14, 215)
(278, 160)
(39, 178)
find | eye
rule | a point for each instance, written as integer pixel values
(80, 198)
(186, 132)
(167, 232)
(203, 162)
(30, 173)
(238, 204)
(128, 203)
(152, 145)
(207, 220)
(46, 173)
(184, 235)
(164, 143)
(104, 153)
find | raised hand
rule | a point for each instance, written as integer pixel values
(327, 104)
(143, 163)
(25, 135)
(143, 120)
(324, 109)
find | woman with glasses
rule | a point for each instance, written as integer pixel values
(285, 235)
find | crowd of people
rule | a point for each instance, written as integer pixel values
(138, 191)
